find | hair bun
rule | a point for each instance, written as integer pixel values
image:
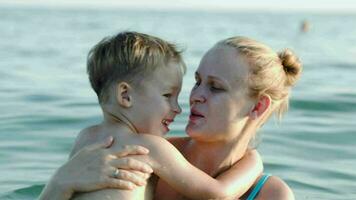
(291, 66)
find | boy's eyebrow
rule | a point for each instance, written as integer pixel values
(174, 88)
(171, 86)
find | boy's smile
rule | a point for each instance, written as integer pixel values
(166, 123)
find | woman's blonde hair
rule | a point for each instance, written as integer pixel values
(270, 73)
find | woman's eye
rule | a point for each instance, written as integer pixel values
(197, 83)
(214, 88)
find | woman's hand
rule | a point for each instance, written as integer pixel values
(94, 167)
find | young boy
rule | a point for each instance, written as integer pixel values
(137, 79)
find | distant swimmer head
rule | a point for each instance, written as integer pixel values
(305, 26)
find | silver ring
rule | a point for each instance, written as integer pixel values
(116, 173)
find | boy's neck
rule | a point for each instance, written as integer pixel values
(112, 121)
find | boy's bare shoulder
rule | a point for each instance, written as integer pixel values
(179, 142)
(85, 137)
(153, 143)
(151, 139)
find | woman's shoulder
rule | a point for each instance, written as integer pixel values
(275, 188)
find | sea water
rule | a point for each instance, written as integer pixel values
(46, 99)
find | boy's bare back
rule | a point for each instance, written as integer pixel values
(122, 138)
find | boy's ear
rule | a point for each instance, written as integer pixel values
(260, 107)
(123, 94)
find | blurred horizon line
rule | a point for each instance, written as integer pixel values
(180, 5)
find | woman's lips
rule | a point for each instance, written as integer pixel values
(195, 115)
(195, 112)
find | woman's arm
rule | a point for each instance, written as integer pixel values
(170, 165)
(92, 168)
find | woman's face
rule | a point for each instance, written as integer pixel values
(219, 100)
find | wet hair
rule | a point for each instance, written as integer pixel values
(270, 73)
(128, 56)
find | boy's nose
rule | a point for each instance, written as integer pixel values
(177, 109)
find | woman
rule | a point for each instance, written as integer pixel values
(240, 83)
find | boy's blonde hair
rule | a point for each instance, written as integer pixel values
(128, 56)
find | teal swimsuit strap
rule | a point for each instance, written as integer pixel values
(258, 187)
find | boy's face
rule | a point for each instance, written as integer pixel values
(155, 104)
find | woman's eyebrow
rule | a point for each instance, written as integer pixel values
(215, 78)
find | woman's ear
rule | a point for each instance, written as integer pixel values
(260, 107)
(123, 94)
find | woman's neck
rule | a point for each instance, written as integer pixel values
(216, 157)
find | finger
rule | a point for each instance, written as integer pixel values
(132, 164)
(142, 175)
(132, 150)
(127, 175)
(120, 184)
(103, 144)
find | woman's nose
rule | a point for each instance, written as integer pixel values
(197, 95)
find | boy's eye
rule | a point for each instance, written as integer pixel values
(167, 95)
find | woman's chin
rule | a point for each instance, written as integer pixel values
(191, 132)
(194, 131)
(192, 128)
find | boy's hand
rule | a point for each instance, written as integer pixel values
(94, 168)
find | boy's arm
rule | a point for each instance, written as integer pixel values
(170, 165)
